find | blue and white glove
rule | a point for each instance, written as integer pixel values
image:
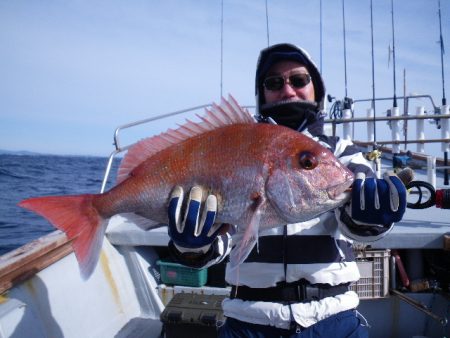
(190, 232)
(374, 206)
(378, 201)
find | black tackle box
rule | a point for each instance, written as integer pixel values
(193, 315)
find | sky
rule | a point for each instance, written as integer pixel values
(71, 72)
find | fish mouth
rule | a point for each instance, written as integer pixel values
(340, 192)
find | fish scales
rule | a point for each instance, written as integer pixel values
(224, 162)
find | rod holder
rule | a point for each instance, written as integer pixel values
(395, 129)
(347, 127)
(370, 127)
(445, 128)
(431, 170)
(420, 130)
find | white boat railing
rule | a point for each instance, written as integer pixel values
(117, 143)
(347, 120)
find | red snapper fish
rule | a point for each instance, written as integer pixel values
(263, 175)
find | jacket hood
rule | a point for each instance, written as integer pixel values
(285, 51)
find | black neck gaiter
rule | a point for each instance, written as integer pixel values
(297, 115)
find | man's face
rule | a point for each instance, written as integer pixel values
(288, 91)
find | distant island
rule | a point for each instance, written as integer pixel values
(18, 152)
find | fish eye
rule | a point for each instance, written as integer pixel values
(308, 161)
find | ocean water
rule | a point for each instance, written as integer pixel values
(25, 176)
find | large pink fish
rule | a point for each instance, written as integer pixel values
(263, 176)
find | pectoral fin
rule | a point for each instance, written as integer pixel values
(247, 240)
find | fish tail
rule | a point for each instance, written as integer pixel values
(78, 218)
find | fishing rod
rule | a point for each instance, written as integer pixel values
(345, 50)
(373, 80)
(347, 103)
(444, 100)
(267, 24)
(405, 110)
(321, 37)
(393, 52)
(419, 306)
(338, 107)
(441, 42)
(221, 50)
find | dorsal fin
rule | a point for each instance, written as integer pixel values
(228, 112)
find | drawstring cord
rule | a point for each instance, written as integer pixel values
(338, 248)
(359, 315)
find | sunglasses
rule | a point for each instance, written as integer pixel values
(297, 81)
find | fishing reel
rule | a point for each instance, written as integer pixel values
(436, 121)
(427, 196)
(400, 161)
(421, 194)
(337, 108)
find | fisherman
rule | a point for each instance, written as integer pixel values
(295, 282)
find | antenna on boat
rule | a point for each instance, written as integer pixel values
(267, 24)
(393, 52)
(441, 42)
(373, 80)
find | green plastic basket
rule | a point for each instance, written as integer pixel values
(177, 274)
